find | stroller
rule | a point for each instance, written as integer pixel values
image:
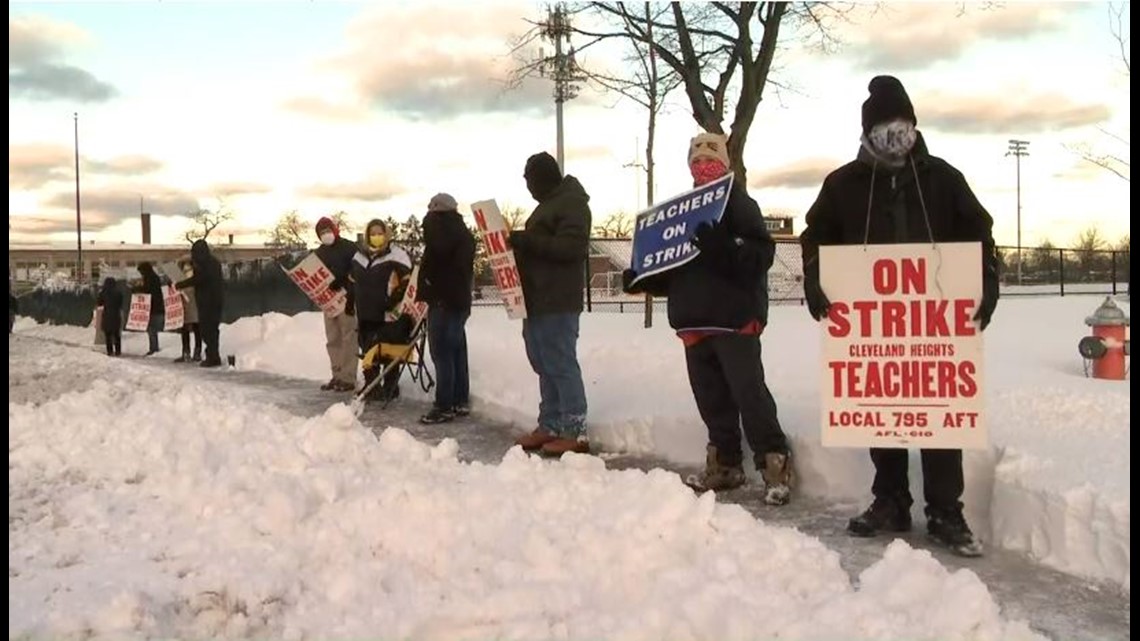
(399, 347)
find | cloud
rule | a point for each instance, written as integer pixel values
(34, 165)
(1014, 114)
(368, 190)
(321, 108)
(432, 61)
(800, 174)
(102, 208)
(238, 188)
(130, 165)
(36, 70)
(916, 35)
(31, 166)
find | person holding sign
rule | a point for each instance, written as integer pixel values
(206, 280)
(189, 320)
(152, 286)
(718, 305)
(446, 278)
(551, 251)
(896, 192)
(340, 329)
(380, 274)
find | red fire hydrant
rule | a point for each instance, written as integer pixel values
(1108, 348)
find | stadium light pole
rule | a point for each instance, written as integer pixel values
(1017, 149)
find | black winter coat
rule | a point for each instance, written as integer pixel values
(724, 287)
(207, 283)
(898, 211)
(153, 286)
(338, 258)
(553, 250)
(111, 300)
(380, 282)
(448, 266)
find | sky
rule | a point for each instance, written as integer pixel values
(264, 107)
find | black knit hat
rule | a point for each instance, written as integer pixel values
(542, 175)
(888, 101)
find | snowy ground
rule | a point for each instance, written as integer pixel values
(1031, 491)
(144, 503)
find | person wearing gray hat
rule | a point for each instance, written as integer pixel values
(446, 278)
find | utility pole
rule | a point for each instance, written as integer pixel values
(636, 164)
(78, 219)
(561, 68)
(1017, 149)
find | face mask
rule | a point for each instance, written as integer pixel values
(894, 139)
(327, 238)
(376, 241)
(706, 170)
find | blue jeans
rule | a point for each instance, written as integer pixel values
(153, 327)
(552, 348)
(447, 340)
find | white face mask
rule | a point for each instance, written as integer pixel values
(327, 238)
(895, 138)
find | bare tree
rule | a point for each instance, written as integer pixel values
(1113, 152)
(343, 223)
(290, 232)
(619, 225)
(205, 221)
(515, 216)
(715, 49)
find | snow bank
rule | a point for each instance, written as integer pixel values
(142, 507)
(1031, 490)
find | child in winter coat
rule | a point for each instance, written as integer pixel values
(189, 321)
(111, 300)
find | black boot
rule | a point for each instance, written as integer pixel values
(948, 527)
(884, 515)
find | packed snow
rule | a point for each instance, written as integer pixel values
(1033, 490)
(143, 507)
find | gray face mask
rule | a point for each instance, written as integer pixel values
(894, 139)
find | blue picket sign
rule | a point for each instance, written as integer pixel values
(663, 233)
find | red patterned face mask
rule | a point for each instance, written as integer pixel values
(706, 170)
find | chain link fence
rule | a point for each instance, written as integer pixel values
(261, 286)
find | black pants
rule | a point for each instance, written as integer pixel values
(114, 341)
(371, 333)
(187, 329)
(209, 330)
(727, 377)
(941, 476)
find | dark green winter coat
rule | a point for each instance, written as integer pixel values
(552, 250)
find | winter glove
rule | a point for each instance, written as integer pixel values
(989, 303)
(519, 240)
(627, 277)
(336, 285)
(717, 246)
(817, 302)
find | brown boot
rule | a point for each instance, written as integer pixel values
(716, 477)
(778, 475)
(535, 440)
(560, 446)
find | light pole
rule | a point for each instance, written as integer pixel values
(78, 219)
(636, 164)
(1017, 149)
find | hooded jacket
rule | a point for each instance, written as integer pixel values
(207, 283)
(380, 279)
(338, 258)
(868, 202)
(111, 300)
(552, 250)
(153, 286)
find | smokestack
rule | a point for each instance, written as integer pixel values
(231, 239)
(145, 228)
